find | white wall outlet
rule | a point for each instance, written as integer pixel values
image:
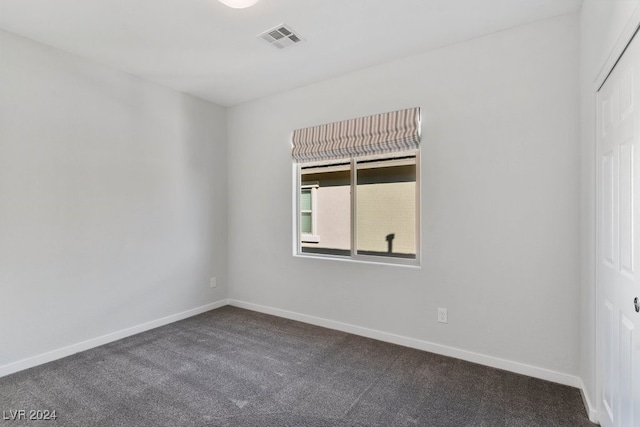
(442, 315)
(212, 282)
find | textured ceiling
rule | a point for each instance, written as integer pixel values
(206, 49)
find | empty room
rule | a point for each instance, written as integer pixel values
(319, 213)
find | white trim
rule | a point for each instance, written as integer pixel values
(59, 353)
(361, 259)
(517, 367)
(596, 280)
(353, 199)
(295, 221)
(494, 362)
(418, 214)
(592, 412)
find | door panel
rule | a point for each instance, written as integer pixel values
(607, 239)
(626, 367)
(607, 393)
(626, 210)
(618, 239)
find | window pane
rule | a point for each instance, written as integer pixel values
(386, 207)
(332, 209)
(305, 200)
(305, 223)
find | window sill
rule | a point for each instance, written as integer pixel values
(393, 262)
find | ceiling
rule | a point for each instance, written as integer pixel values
(206, 49)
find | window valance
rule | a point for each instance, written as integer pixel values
(371, 135)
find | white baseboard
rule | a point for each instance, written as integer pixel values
(104, 339)
(516, 367)
(591, 410)
(494, 362)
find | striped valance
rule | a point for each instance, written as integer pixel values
(379, 134)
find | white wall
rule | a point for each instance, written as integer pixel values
(601, 25)
(112, 201)
(500, 190)
(113, 197)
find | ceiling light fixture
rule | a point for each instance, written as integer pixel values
(238, 4)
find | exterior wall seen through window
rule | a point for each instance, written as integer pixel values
(381, 218)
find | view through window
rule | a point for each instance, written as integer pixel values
(365, 207)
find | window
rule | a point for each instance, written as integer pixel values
(367, 204)
(332, 208)
(363, 206)
(308, 212)
(386, 209)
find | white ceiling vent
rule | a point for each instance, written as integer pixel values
(281, 36)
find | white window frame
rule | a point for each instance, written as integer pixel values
(354, 256)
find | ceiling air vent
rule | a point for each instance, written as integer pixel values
(281, 36)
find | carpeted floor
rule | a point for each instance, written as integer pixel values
(232, 367)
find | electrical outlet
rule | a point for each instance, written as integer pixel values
(212, 282)
(442, 315)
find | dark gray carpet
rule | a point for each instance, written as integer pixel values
(232, 367)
